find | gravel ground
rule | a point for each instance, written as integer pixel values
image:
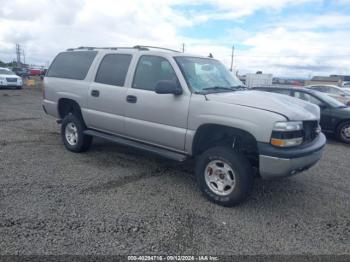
(115, 200)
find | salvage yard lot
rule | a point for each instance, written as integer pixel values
(115, 200)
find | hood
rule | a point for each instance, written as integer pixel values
(290, 107)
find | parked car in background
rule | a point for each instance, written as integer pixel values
(34, 72)
(335, 116)
(334, 91)
(9, 79)
(182, 106)
(346, 84)
(22, 72)
(43, 73)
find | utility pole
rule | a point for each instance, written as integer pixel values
(183, 47)
(233, 52)
(24, 57)
(18, 54)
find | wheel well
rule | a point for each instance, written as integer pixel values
(340, 123)
(66, 106)
(210, 135)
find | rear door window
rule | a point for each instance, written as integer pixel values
(113, 69)
(72, 65)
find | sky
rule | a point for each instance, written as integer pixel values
(297, 38)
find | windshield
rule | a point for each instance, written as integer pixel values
(329, 100)
(205, 75)
(6, 72)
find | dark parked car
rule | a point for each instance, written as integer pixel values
(22, 72)
(335, 116)
(43, 73)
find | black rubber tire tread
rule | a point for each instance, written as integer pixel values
(338, 132)
(243, 175)
(84, 141)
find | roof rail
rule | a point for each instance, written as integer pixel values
(94, 47)
(146, 47)
(138, 47)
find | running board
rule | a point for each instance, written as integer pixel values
(127, 142)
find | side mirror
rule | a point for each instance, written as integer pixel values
(168, 87)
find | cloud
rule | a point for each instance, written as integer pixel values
(283, 45)
(228, 9)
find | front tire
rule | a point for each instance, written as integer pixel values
(72, 132)
(343, 132)
(224, 176)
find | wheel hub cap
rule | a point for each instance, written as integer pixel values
(219, 177)
(346, 132)
(71, 134)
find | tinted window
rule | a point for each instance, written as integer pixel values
(72, 65)
(150, 70)
(329, 100)
(308, 98)
(319, 88)
(113, 69)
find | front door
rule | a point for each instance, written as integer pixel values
(159, 119)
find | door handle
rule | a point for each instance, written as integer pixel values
(95, 93)
(131, 99)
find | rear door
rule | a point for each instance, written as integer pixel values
(107, 92)
(159, 119)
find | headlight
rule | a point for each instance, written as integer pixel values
(288, 126)
(2, 78)
(287, 134)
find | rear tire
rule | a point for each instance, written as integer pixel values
(224, 176)
(72, 132)
(343, 132)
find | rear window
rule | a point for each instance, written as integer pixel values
(72, 65)
(113, 69)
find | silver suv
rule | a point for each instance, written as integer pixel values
(182, 106)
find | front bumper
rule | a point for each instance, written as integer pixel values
(281, 162)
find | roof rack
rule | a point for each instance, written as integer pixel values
(138, 47)
(142, 47)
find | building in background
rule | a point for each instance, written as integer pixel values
(258, 80)
(325, 80)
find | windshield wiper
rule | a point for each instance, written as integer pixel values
(218, 88)
(239, 87)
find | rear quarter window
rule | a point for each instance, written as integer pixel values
(72, 65)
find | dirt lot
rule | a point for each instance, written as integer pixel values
(115, 200)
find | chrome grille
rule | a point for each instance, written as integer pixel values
(11, 79)
(310, 130)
